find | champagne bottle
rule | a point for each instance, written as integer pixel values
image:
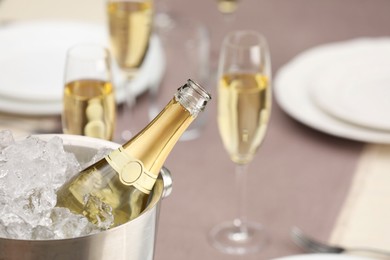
(115, 189)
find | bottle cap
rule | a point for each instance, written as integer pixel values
(193, 97)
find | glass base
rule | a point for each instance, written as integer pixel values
(230, 238)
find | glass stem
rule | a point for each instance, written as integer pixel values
(241, 184)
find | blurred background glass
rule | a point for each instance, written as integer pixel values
(89, 106)
(186, 47)
(130, 28)
(227, 6)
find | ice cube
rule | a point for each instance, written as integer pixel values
(6, 138)
(31, 171)
(19, 230)
(68, 225)
(42, 232)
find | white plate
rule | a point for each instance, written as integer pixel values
(32, 56)
(293, 81)
(30, 108)
(357, 89)
(322, 257)
(32, 64)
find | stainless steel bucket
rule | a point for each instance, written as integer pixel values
(134, 240)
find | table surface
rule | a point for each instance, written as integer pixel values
(299, 176)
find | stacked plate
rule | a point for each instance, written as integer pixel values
(342, 89)
(323, 257)
(32, 61)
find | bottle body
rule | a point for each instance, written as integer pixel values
(115, 189)
(98, 194)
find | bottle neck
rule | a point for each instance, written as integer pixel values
(154, 143)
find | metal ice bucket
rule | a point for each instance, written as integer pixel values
(134, 240)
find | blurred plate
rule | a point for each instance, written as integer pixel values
(32, 64)
(322, 257)
(357, 89)
(293, 83)
(30, 108)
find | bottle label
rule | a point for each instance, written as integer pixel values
(131, 170)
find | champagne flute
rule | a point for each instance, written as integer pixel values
(130, 26)
(89, 106)
(194, 52)
(244, 104)
(227, 6)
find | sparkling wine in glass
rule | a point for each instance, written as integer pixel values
(129, 23)
(244, 107)
(227, 6)
(130, 27)
(89, 106)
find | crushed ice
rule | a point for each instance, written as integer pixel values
(31, 171)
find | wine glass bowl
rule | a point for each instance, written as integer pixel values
(244, 106)
(89, 106)
(227, 6)
(130, 26)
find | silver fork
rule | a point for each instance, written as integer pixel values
(312, 245)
